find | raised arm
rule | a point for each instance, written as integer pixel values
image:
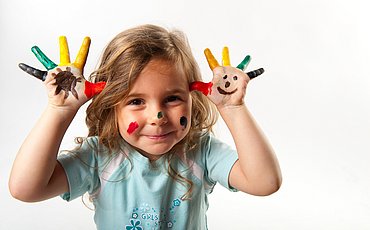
(257, 171)
(36, 175)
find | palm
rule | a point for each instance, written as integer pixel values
(65, 82)
(229, 83)
(228, 86)
(65, 86)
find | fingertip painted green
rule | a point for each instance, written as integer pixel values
(45, 61)
(244, 63)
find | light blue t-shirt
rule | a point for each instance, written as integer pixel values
(131, 193)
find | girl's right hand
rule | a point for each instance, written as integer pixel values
(67, 88)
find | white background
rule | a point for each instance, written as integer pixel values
(313, 102)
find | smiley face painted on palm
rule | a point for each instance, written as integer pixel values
(229, 85)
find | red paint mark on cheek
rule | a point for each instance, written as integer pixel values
(132, 127)
(91, 89)
(205, 88)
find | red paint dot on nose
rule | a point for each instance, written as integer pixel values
(132, 127)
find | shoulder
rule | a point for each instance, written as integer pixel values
(213, 152)
(88, 150)
(209, 143)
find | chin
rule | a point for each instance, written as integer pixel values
(157, 151)
(154, 152)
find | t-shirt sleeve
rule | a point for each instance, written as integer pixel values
(80, 166)
(219, 158)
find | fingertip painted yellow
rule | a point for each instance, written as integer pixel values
(225, 57)
(82, 54)
(212, 62)
(64, 51)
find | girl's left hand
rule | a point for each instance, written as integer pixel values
(229, 83)
(228, 86)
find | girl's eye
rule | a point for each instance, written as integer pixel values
(136, 102)
(172, 99)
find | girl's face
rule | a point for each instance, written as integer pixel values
(156, 114)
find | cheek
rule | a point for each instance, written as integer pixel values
(184, 117)
(127, 123)
(132, 127)
(183, 122)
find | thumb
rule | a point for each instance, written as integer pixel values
(205, 88)
(92, 89)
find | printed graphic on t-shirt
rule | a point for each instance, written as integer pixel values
(147, 217)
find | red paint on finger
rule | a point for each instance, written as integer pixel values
(205, 88)
(91, 89)
(132, 127)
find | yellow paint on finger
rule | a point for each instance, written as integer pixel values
(82, 54)
(225, 57)
(64, 51)
(212, 62)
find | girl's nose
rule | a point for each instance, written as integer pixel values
(158, 119)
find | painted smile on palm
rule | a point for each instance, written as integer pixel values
(229, 83)
(227, 90)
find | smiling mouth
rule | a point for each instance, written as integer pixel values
(221, 91)
(158, 137)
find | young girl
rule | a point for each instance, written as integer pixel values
(149, 161)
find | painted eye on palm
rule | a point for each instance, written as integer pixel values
(227, 82)
(68, 74)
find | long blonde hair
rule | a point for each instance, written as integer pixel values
(122, 61)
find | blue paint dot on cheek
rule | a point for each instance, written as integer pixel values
(183, 122)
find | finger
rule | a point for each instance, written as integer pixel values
(92, 89)
(50, 79)
(45, 61)
(205, 88)
(255, 73)
(212, 62)
(243, 65)
(34, 72)
(225, 57)
(64, 51)
(82, 54)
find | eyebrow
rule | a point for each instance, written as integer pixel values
(173, 91)
(178, 90)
